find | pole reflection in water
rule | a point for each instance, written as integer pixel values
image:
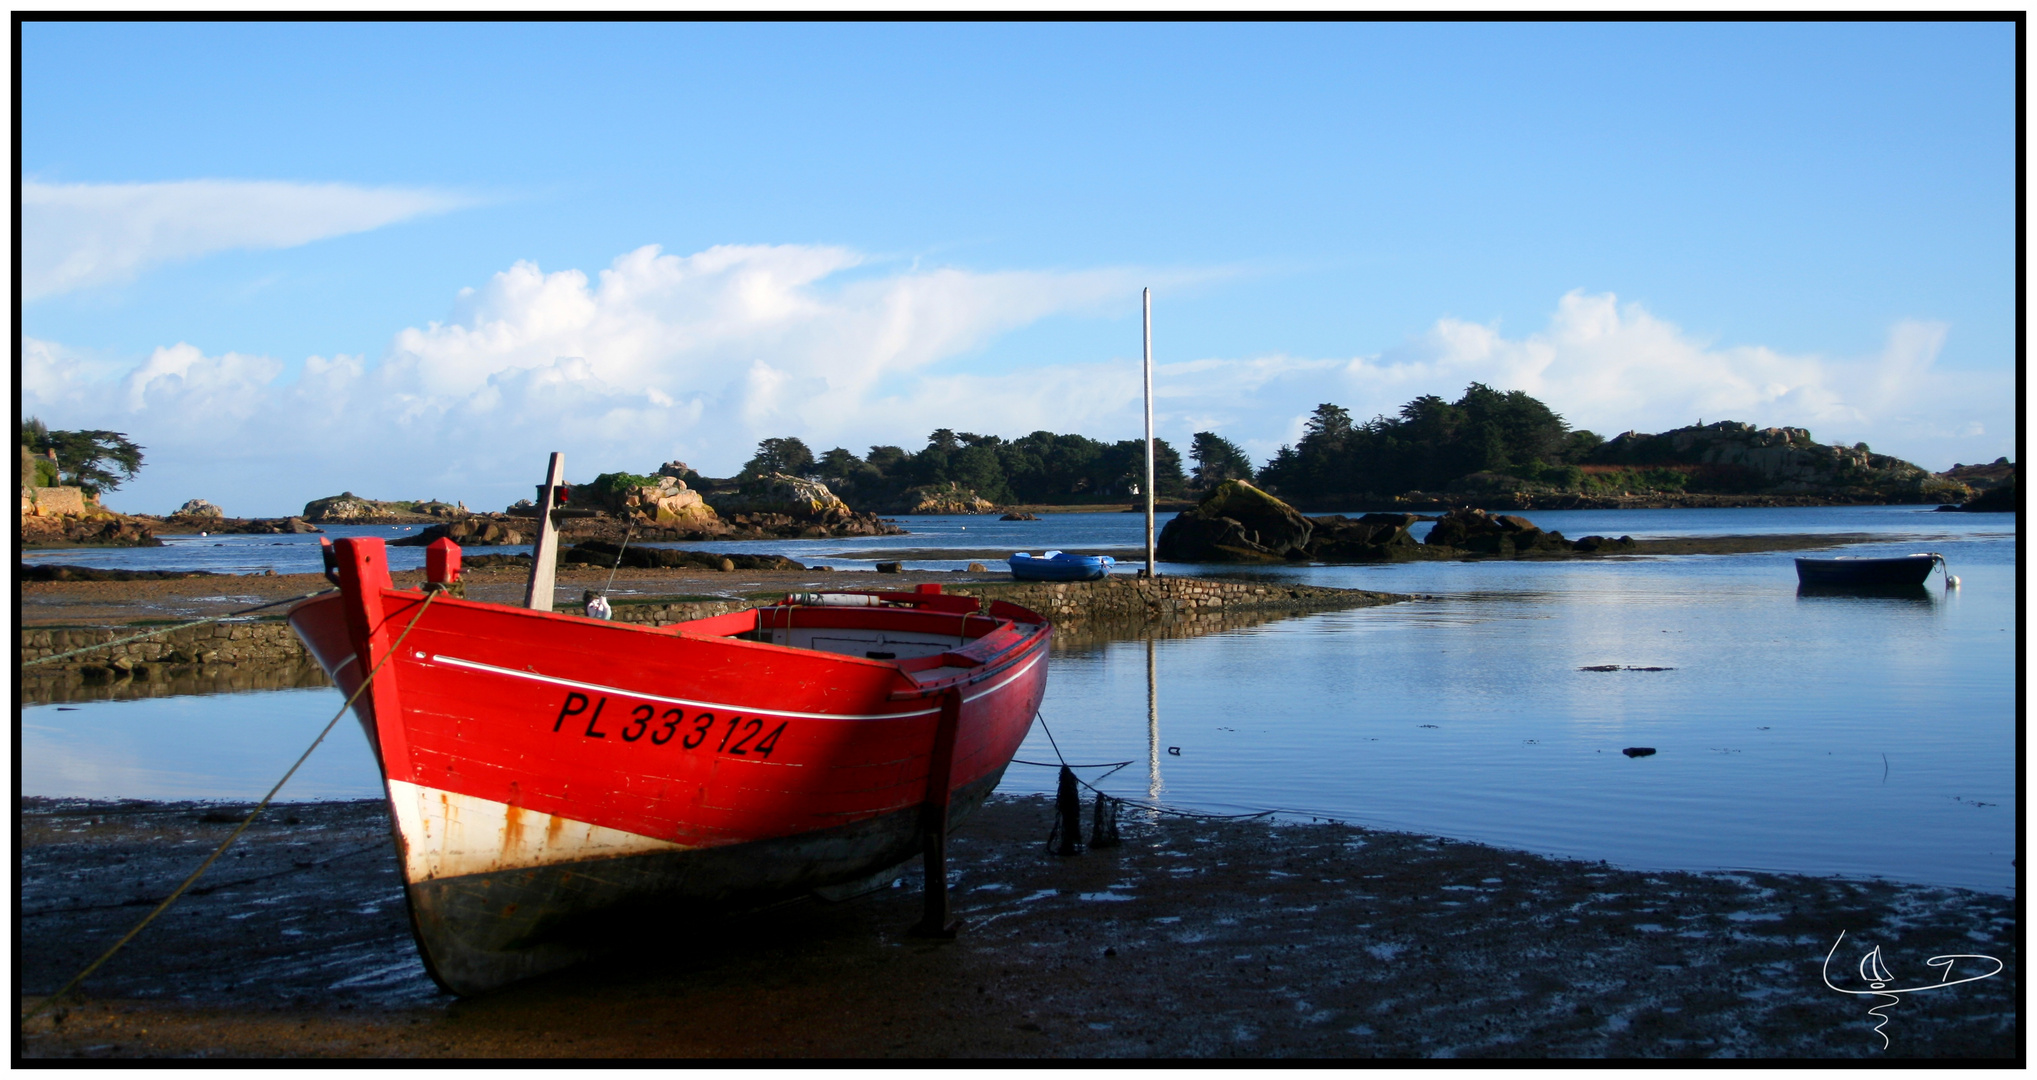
(1152, 723)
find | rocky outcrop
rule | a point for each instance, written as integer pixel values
(1240, 523)
(347, 508)
(199, 508)
(87, 530)
(475, 531)
(218, 526)
(1236, 522)
(948, 498)
(790, 506)
(666, 502)
(1372, 538)
(1491, 534)
(1779, 460)
(2002, 496)
(602, 553)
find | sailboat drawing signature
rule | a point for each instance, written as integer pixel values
(1878, 979)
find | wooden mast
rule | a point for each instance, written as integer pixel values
(544, 551)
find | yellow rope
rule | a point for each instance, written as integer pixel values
(263, 805)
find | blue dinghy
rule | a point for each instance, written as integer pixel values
(1060, 566)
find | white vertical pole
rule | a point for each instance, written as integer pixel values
(1152, 721)
(544, 551)
(1146, 296)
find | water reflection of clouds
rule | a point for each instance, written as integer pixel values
(214, 746)
(1773, 704)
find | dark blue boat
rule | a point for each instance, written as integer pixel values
(1060, 566)
(1902, 570)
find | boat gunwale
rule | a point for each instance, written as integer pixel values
(1028, 642)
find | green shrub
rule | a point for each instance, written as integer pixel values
(1664, 479)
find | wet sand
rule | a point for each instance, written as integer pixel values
(1194, 939)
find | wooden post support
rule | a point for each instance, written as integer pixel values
(934, 920)
(1068, 814)
(544, 550)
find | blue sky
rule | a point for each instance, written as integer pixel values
(407, 259)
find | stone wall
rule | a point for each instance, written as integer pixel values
(1169, 599)
(52, 501)
(265, 642)
(1171, 605)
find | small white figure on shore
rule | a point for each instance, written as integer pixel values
(597, 606)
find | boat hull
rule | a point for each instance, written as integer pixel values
(552, 778)
(1903, 570)
(1085, 568)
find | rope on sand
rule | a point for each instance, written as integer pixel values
(45, 1003)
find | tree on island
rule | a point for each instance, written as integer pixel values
(1217, 459)
(1042, 467)
(1429, 444)
(97, 461)
(788, 455)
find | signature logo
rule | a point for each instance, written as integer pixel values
(1881, 983)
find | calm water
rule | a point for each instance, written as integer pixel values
(1852, 735)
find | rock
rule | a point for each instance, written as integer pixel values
(888, 568)
(347, 508)
(1236, 522)
(1476, 531)
(790, 506)
(948, 498)
(602, 553)
(978, 568)
(1020, 517)
(475, 531)
(199, 508)
(1639, 751)
(2004, 497)
(1601, 544)
(1372, 538)
(299, 525)
(669, 503)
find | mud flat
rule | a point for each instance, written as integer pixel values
(1194, 939)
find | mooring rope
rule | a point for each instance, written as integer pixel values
(168, 629)
(632, 531)
(1158, 808)
(242, 827)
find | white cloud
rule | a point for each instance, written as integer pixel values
(697, 357)
(655, 357)
(1611, 368)
(76, 236)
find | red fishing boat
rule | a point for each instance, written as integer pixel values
(552, 777)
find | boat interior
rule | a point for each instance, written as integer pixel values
(923, 633)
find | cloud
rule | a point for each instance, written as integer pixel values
(656, 357)
(1611, 367)
(697, 357)
(77, 236)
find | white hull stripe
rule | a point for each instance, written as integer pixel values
(446, 834)
(533, 676)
